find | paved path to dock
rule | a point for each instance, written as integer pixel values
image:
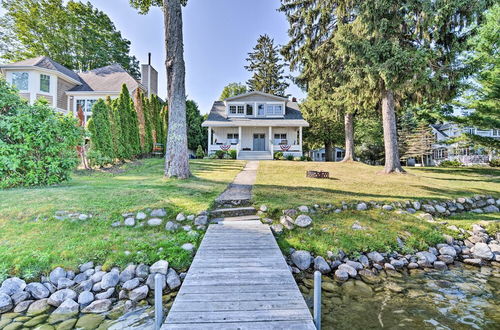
(241, 187)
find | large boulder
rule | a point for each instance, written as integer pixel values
(303, 221)
(161, 267)
(58, 297)
(139, 294)
(37, 290)
(56, 274)
(321, 265)
(173, 280)
(448, 250)
(12, 285)
(66, 310)
(110, 280)
(98, 306)
(375, 257)
(6, 303)
(482, 251)
(301, 259)
(348, 269)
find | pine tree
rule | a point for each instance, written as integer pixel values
(100, 130)
(194, 120)
(116, 129)
(419, 143)
(141, 118)
(267, 68)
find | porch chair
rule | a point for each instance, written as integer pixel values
(158, 150)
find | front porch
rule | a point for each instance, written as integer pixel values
(256, 142)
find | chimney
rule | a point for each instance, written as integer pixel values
(149, 58)
(294, 99)
(149, 77)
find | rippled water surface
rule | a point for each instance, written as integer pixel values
(460, 298)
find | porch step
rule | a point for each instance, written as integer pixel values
(233, 212)
(236, 219)
(255, 155)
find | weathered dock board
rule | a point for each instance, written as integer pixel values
(239, 279)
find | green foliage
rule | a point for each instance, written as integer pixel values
(220, 154)
(97, 159)
(75, 34)
(369, 135)
(278, 155)
(232, 154)
(200, 153)
(101, 138)
(231, 90)
(266, 65)
(450, 163)
(129, 126)
(37, 144)
(145, 5)
(495, 162)
(289, 157)
(196, 134)
(305, 158)
(155, 116)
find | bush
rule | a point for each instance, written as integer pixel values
(495, 162)
(220, 154)
(37, 144)
(200, 153)
(278, 155)
(305, 158)
(97, 159)
(289, 157)
(232, 154)
(450, 163)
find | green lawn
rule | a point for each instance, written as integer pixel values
(29, 247)
(361, 182)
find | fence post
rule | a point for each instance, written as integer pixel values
(158, 301)
(317, 299)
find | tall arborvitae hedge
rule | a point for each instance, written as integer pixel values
(100, 130)
(127, 117)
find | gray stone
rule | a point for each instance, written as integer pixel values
(341, 275)
(105, 295)
(173, 280)
(139, 294)
(131, 284)
(58, 297)
(263, 208)
(64, 283)
(12, 285)
(303, 209)
(116, 224)
(6, 303)
(287, 222)
(97, 277)
(412, 265)
(321, 265)
(96, 287)
(80, 278)
(180, 217)
(387, 207)
(150, 281)
(38, 307)
(303, 221)
(429, 208)
(388, 266)
(364, 260)
(68, 308)
(440, 209)
(37, 290)
(129, 222)
(161, 267)
(110, 280)
(478, 211)
(361, 207)
(440, 265)
(187, 228)
(158, 213)
(301, 259)
(397, 263)
(154, 222)
(354, 264)
(83, 217)
(171, 226)
(127, 274)
(416, 205)
(142, 271)
(85, 298)
(188, 247)
(20, 296)
(201, 220)
(141, 216)
(447, 259)
(277, 228)
(190, 217)
(22, 306)
(375, 257)
(473, 261)
(482, 251)
(85, 286)
(89, 272)
(448, 250)
(98, 306)
(425, 255)
(357, 226)
(56, 274)
(349, 269)
(490, 209)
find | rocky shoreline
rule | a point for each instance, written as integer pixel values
(85, 298)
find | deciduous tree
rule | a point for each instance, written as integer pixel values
(231, 90)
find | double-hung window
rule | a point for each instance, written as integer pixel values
(249, 110)
(233, 138)
(20, 80)
(241, 109)
(273, 110)
(44, 83)
(280, 138)
(232, 109)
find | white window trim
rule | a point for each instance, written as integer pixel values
(27, 83)
(40, 84)
(229, 114)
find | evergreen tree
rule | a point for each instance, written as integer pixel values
(99, 127)
(194, 120)
(116, 129)
(231, 90)
(389, 52)
(267, 68)
(141, 118)
(419, 143)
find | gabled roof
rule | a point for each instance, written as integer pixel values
(45, 62)
(106, 79)
(281, 98)
(218, 117)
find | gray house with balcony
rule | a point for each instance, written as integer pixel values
(256, 125)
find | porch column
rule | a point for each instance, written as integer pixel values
(271, 140)
(238, 148)
(300, 138)
(209, 144)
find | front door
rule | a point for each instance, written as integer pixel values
(259, 143)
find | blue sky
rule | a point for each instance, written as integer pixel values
(218, 34)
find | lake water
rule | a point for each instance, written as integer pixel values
(463, 297)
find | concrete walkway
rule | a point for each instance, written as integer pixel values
(241, 188)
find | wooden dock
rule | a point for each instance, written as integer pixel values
(239, 279)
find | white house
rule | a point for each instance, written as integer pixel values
(256, 125)
(319, 155)
(65, 90)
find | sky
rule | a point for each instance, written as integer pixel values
(218, 34)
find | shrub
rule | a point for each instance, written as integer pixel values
(305, 158)
(220, 154)
(289, 157)
(450, 163)
(232, 154)
(278, 155)
(37, 144)
(97, 159)
(495, 162)
(200, 153)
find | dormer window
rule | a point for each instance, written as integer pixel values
(249, 110)
(273, 110)
(232, 109)
(241, 109)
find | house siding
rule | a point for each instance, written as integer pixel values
(62, 98)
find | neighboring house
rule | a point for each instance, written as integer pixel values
(256, 125)
(467, 155)
(65, 90)
(319, 155)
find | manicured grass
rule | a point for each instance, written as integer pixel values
(29, 247)
(282, 184)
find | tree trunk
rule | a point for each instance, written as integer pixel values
(392, 162)
(349, 137)
(328, 151)
(176, 156)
